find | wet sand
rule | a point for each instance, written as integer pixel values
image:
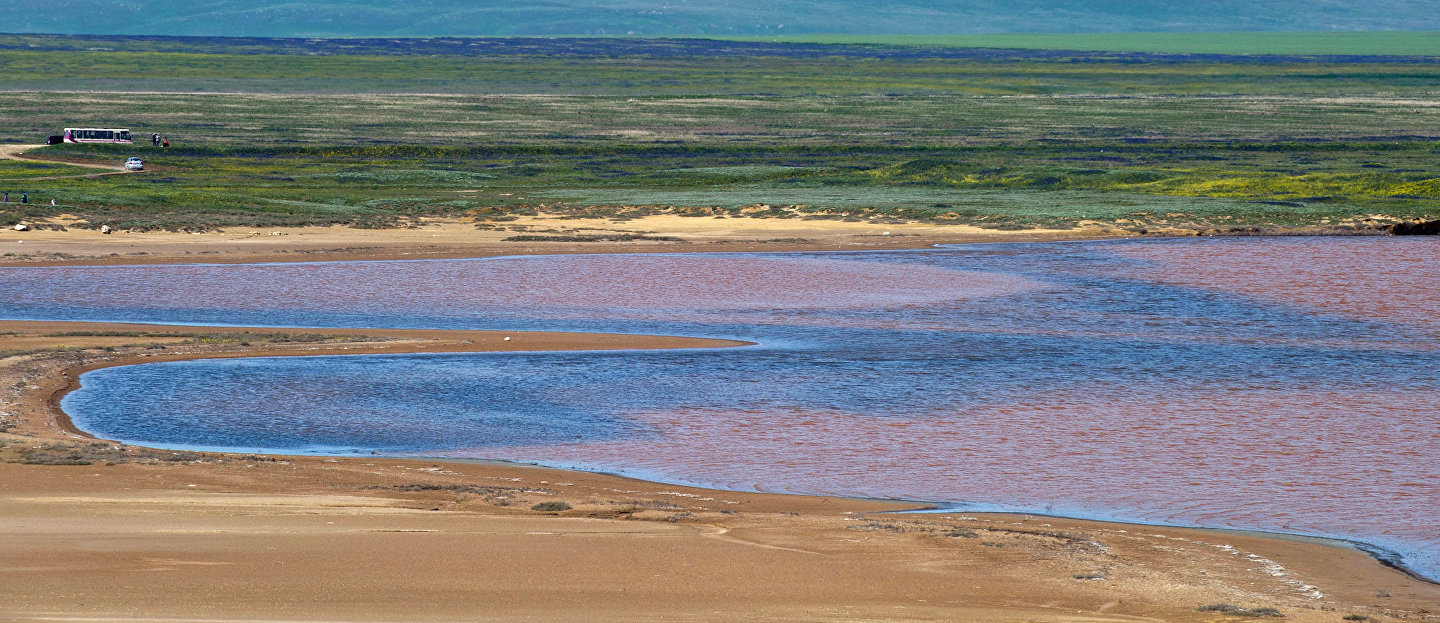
(159, 535)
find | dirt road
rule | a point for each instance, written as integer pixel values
(14, 152)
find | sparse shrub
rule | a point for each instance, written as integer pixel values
(589, 238)
(551, 507)
(882, 526)
(636, 506)
(39, 458)
(1234, 610)
(101, 452)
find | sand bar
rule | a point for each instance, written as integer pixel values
(153, 535)
(459, 238)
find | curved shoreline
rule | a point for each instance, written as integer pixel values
(503, 341)
(416, 341)
(1349, 576)
(1387, 557)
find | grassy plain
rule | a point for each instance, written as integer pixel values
(694, 67)
(16, 170)
(376, 132)
(379, 133)
(1341, 43)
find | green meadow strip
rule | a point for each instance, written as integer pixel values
(1014, 140)
(1384, 43)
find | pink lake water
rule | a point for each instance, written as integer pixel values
(1290, 385)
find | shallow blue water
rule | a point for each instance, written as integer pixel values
(1087, 379)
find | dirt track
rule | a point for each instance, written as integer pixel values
(14, 152)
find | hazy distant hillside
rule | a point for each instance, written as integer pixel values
(304, 18)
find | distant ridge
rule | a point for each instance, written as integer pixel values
(430, 18)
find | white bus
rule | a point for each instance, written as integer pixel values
(97, 135)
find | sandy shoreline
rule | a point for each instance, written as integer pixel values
(395, 341)
(450, 238)
(160, 535)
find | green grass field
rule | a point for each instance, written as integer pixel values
(20, 170)
(1390, 43)
(369, 139)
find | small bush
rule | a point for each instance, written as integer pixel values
(1226, 608)
(37, 458)
(1355, 617)
(590, 238)
(551, 507)
(101, 452)
(1235, 610)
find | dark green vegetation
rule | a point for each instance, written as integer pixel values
(1238, 611)
(387, 18)
(336, 132)
(19, 170)
(101, 452)
(686, 67)
(1349, 43)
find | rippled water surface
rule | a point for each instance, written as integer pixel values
(1274, 384)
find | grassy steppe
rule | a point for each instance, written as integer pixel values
(680, 67)
(16, 170)
(375, 133)
(1383, 43)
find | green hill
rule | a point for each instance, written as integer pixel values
(387, 18)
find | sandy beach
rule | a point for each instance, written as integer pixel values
(101, 532)
(453, 238)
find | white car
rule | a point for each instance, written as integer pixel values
(134, 164)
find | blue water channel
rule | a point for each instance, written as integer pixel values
(1045, 377)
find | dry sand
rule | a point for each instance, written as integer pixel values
(159, 536)
(447, 238)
